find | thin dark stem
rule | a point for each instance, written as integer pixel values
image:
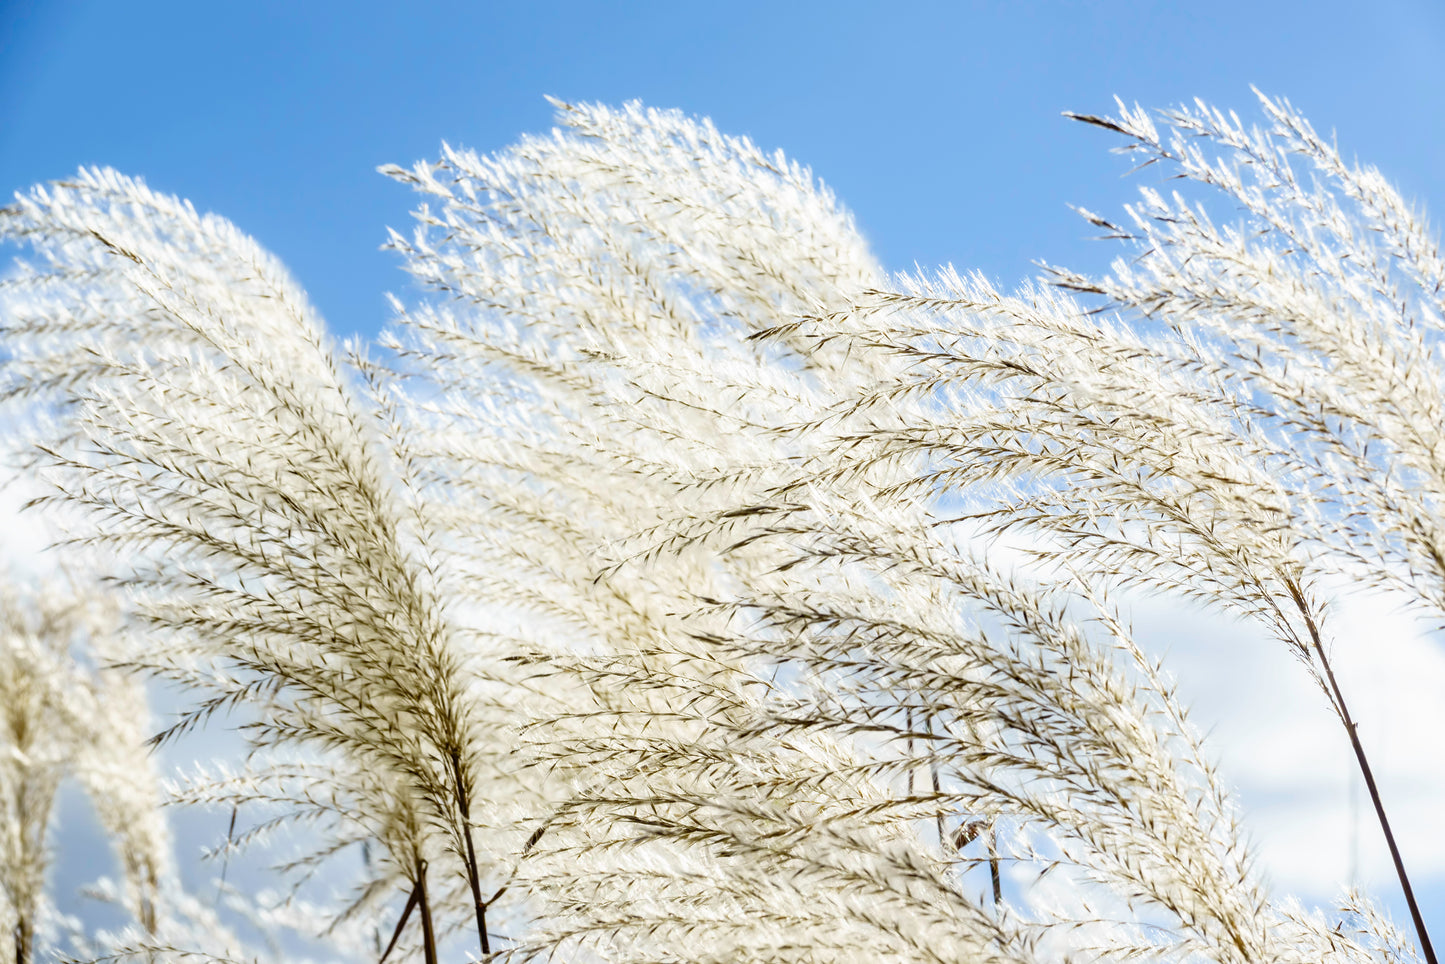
(473, 874)
(937, 817)
(476, 886)
(910, 751)
(1350, 728)
(993, 871)
(428, 934)
(933, 778)
(400, 923)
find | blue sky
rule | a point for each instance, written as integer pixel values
(937, 123)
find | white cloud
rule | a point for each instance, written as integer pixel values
(1289, 760)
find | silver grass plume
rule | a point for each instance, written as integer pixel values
(668, 456)
(786, 696)
(574, 394)
(230, 466)
(1319, 321)
(66, 714)
(1256, 426)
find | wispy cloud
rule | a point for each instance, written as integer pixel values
(1279, 746)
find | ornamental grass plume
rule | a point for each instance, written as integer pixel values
(67, 716)
(787, 697)
(227, 461)
(1245, 417)
(637, 606)
(593, 378)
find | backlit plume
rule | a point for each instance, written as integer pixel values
(671, 583)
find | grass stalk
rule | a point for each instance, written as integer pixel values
(464, 806)
(993, 871)
(1351, 728)
(428, 933)
(23, 940)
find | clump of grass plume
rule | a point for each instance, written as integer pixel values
(637, 591)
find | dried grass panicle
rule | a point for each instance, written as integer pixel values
(69, 715)
(232, 470)
(1314, 327)
(637, 596)
(780, 688)
(1259, 425)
